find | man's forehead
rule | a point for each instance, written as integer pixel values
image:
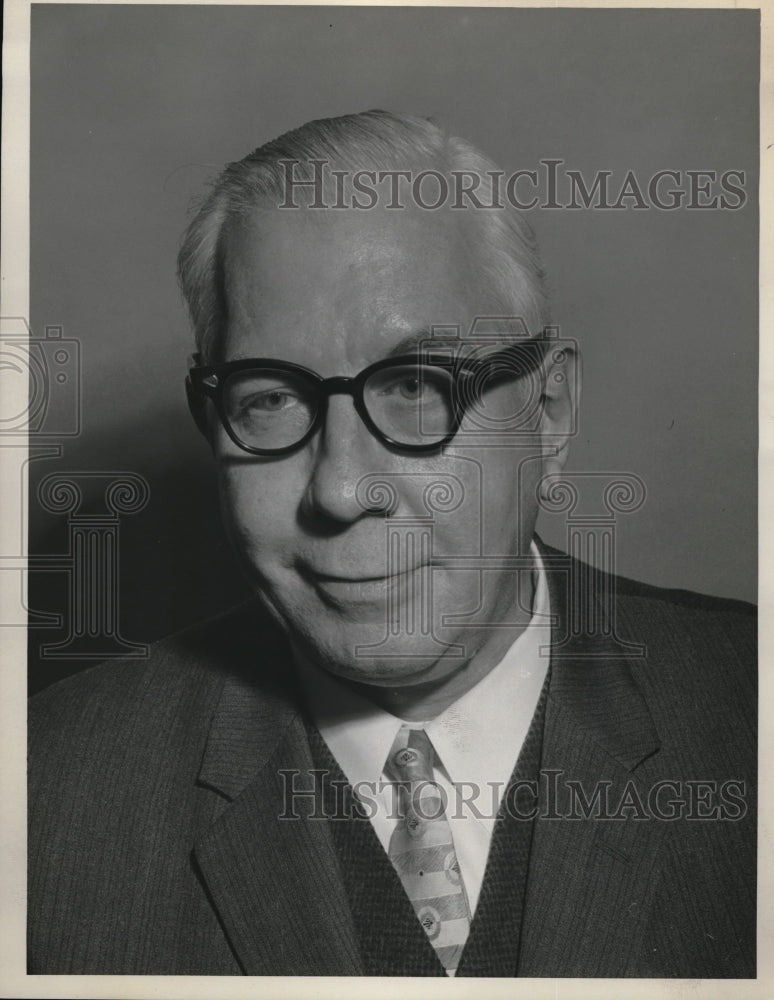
(337, 317)
(278, 258)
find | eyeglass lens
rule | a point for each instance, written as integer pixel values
(272, 409)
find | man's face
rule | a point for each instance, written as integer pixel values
(336, 292)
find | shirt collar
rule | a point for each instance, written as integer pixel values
(479, 737)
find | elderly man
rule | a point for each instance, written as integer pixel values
(431, 745)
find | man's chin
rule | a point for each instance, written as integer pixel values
(368, 654)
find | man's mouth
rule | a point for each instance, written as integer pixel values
(358, 587)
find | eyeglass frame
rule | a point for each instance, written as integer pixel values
(199, 387)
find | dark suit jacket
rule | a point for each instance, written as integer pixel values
(155, 791)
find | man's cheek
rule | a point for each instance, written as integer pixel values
(251, 492)
(255, 516)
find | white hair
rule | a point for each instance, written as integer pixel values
(501, 240)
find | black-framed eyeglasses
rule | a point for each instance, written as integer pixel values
(414, 403)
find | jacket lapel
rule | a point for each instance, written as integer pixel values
(274, 882)
(591, 879)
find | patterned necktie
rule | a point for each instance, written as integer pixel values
(422, 851)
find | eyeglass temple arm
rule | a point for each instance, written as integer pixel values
(197, 404)
(532, 350)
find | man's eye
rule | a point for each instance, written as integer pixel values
(269, 401)
(410, 388)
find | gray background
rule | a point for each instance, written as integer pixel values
(134, 108)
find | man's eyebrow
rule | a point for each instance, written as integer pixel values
(421, 339)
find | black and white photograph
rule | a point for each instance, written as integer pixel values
(380, 473)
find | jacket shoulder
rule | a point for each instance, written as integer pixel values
(693, 655)
(717, 634)
(175, 687)
(686, 599)
(628, 588)
(698, 670)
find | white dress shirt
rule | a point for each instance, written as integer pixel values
(477, 739)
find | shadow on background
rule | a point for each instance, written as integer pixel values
(175, 566)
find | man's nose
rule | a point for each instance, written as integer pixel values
(344, 453)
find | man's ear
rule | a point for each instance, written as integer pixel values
(561, 396)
